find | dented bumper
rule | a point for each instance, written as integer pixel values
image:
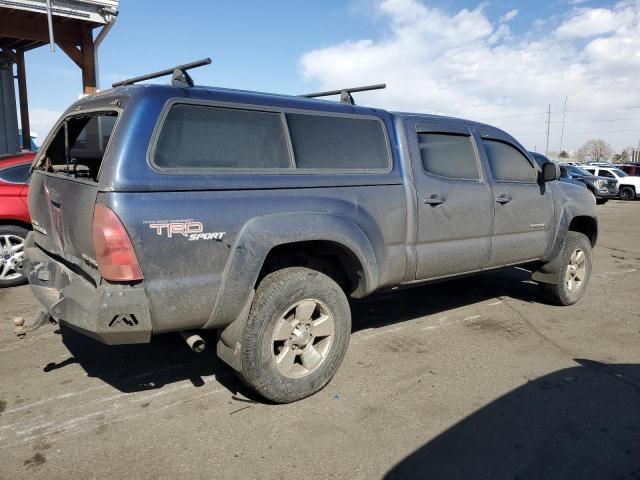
(113, 314)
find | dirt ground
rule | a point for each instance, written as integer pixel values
(471, 379)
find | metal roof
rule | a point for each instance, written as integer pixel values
(23, 23)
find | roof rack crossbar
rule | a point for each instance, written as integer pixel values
(345, 93)
(180, 76)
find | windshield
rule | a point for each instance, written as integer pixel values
(618, 172)
(539, 158)
(577, 171)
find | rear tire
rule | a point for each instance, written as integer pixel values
(12, 240)
(627, 193)
(296, 335)
(575, 271)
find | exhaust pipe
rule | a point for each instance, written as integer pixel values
(195, 341)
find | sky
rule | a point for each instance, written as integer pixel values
(501, 63)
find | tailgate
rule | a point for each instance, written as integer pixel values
(62, 215)
(64, 188)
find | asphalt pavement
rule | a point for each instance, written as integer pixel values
(475, 378)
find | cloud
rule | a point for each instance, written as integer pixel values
(510, 15)
(590, 22)
(463, 64)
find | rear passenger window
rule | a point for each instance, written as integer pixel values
(78, 146)
(329, 142)
(508, 164)
(448, 155)
(203, 137)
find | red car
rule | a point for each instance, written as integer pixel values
(15, 222)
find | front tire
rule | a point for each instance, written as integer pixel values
(12, 240)
(601, 201)
(575, 271)
(296, 335)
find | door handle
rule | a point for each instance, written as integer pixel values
(434, 200)
(502, 199)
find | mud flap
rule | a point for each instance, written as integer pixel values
(550, 272)
(229, 345)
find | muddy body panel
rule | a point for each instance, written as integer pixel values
(203, 236)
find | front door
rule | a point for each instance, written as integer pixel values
(523, 221)
(454, 205)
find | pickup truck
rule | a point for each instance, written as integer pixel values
(161, 208)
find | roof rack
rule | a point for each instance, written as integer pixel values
(345, 93)
(180, 76)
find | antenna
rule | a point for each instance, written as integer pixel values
(180, 76)
(345, 93)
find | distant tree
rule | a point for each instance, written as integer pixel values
(625, 156)
(622, 157)
(563, 154)
(595, 150)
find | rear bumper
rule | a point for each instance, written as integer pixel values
(112, 314)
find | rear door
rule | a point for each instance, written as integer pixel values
(454, 202)
(64, 188)
(524, 209)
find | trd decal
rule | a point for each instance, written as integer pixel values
(171, 229)
(189, 229)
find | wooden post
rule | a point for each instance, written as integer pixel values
(88, 62)
(23, 99)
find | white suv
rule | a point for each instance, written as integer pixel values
(629, 186)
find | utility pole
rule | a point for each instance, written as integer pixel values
(564, 115)
(546, 152)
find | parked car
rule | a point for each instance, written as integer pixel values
(259, 215)
(14, 216)
(628, 186)
(602, 188)
(630, 169)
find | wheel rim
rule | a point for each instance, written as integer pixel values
(11, 257)
(625, 194)
(576, 270)
(302, 338)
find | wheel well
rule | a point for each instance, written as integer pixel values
(630, 186)
(330, 258)
(15, 223)
(587, 226)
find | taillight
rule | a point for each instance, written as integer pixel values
(116, 258)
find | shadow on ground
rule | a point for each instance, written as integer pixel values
(133, 368)
(409, 303)
(578, 423)
(166, 360)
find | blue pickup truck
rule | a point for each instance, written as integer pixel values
(162, 208)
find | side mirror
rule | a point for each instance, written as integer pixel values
(550, 172)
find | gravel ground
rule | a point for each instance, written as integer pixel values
(473, 378)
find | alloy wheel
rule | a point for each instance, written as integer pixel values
(11, 257)
(576, 270)
(302, 338)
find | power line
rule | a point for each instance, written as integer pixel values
(609, 131)
(568, 111)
